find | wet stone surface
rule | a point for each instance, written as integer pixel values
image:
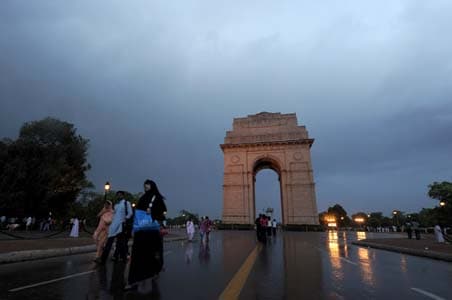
(293, 265)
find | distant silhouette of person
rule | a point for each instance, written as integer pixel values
(208, 227)
(75, 226)
(439, 234)
(274, 226)
(190, 230)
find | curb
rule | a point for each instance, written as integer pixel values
(414, 252)
(28, 255)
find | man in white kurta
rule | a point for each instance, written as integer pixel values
(74, 231)
(439, 234)
(190, 230)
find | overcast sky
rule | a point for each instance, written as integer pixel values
(154, 85)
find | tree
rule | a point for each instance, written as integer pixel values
(44, 170)
(184, 216)
(442, 192)
(340, 214)
(359, 215)
(375, 219)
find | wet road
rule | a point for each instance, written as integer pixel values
(293, 265)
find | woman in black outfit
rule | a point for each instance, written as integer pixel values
(147, 251)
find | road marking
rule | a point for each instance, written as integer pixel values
(428, 294)
(50, 281)
(349, 261)
(235, 286)
(60, 279)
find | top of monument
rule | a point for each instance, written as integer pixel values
(265, 127)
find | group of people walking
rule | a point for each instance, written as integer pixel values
(265, 227)
(205, 227)
(120, 222)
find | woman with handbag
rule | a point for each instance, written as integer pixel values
(147, 251)
(101, 233)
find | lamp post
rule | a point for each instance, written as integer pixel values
(106, 189)
(395, 213)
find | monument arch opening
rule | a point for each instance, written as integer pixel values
(268, 141)
(269, 171)
(267, 194)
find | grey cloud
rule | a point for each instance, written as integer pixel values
(155, 85)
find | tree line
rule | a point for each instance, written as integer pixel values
(44, 170)
(441, 192)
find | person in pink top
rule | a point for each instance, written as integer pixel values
(208, 227)
(101, 233)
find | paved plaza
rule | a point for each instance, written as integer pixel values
(294, 265)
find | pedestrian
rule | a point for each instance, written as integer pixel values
(75, 226)
(208, 228)
(439, 234)
(147, 261)
(100, 236)
(263, 228)
(409, 230)
(274, 226)
(28, 223)
(258, 228)
(116, 231)
(190, 230)
(202, 229)
(269, 226)
(416, 229)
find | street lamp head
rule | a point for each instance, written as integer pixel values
(107, 186)
(368, 215)
(442, 203)
(342, 218)
(394, 212)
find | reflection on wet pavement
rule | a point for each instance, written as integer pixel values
(292, 265)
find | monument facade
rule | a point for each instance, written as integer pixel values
(268, 141)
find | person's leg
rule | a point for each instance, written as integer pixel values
(107, 249)
(121, 246)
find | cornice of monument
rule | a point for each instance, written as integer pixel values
(269, 143)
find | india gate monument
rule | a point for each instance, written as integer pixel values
(268, 141)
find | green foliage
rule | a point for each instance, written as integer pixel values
(340, 214)
(183, 217)
(44, 169)
(441, 191)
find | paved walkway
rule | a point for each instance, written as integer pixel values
(54, 243)
(33, 248)
(294, 265)
(426, 247)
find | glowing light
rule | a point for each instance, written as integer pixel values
(359, 220)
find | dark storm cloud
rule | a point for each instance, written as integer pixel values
(155, 85)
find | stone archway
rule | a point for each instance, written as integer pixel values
(275, 141)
